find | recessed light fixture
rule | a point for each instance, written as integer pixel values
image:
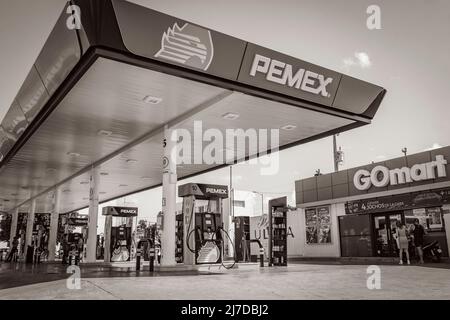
(104, 173)
(123, 185)
(84, 182)
(146, 178)
(131, 160)
(73, 154)
(105, 133)
(102, 192)
(289, 127)
(230, 116)
(152, 100)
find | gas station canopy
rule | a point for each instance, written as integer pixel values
(101, 92)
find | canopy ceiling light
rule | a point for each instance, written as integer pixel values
(99, 75)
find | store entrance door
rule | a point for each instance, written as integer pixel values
(385, 226)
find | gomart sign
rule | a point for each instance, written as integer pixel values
(380, 176)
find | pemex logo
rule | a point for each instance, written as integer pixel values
(189, 45)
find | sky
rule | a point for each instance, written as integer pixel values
(409, 56)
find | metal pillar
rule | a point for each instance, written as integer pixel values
(169, 189)
(13, 230)
(335, 155)
(30, 225)
(54, 225)
(91, 245)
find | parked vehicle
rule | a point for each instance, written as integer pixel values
(432, 251)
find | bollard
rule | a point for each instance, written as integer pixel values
(138, 259)
(261, 257)
(152, 259)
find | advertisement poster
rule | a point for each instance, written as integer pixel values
(434, 217)
(311, 217)
(311, 234)
(318, 225)
(259, 229)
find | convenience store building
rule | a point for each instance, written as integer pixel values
(353, 212)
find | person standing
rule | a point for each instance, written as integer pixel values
(402, 241)
(418, 233)
(13, 251)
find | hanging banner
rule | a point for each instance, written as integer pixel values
(399, 202)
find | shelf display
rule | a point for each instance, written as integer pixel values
(279, 233)
(179, 237)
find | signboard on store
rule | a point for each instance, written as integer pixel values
(381, 176)
(399, 202)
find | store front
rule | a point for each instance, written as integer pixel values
(368, 202)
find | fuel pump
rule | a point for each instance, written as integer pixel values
(203, 223)
(74, 237)
(118, 233)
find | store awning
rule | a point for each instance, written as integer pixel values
(102, 94)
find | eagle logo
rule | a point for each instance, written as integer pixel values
(189, 45)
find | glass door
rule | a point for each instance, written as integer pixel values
(385, 227)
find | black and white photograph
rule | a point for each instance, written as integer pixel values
(224, 156)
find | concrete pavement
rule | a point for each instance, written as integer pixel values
(297, 281)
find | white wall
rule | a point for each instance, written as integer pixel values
(295, 249)
(258, 229)
(447, 229)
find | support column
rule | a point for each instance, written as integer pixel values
(169, 189)
(30, 225)
(54, 225)
(91, 245)
(13, 230)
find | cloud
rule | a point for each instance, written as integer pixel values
(360, 59)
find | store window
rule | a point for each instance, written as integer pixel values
(318, 225)
(430, 218)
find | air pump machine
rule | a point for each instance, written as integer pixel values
(203, 234)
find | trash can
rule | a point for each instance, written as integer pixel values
(30, 254)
